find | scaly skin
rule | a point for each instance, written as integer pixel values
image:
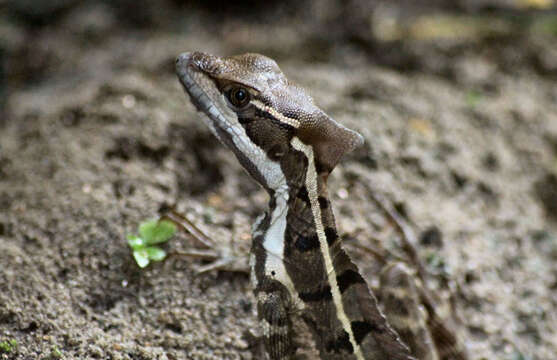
(289, 146)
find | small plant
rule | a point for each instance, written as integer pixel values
(151, 233)
(55, 353)
(473, 98)
(8, 346)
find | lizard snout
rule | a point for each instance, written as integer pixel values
(182, 61)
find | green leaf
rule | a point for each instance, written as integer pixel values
(473, 98)
(147, 228)
(8, 346)
(135, 242)
(141, 258)
(56, 353)
(155, 253)
(156, 232)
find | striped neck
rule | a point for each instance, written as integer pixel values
(327, 237)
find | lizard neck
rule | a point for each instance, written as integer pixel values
(310, 212)
(329, 247)
(296, 248)
(297, 254)
(286, 237)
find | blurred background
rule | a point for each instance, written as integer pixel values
(457, 102)
(40, 39)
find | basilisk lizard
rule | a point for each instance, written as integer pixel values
(289, 146)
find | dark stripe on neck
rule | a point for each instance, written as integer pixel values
(319, 295)
(361, 328)
(341, 342)
(303, 194)
(349, 278)
(321, 168)
(331, 234)
(307, 243)
(323, 202)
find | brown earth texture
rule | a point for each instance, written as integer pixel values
(457, 104)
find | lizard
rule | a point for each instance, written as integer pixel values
(298, 265)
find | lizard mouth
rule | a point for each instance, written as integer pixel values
(198, 86)
(205, 96)
(222, 121)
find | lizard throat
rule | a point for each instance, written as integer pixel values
(273, 244)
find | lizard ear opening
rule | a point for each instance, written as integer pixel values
(330, 141)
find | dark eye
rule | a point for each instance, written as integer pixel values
(238, 96)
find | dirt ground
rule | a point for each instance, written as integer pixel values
(96, 136)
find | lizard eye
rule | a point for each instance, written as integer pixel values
(238, 96)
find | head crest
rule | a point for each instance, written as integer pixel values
(329, 139)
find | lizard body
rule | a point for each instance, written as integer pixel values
(289, 146)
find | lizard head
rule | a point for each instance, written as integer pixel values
(255, 111)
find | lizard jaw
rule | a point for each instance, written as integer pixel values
(203, 95)
(223, 121)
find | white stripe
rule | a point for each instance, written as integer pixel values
(311, 186)
(280, 117)
(274, 246)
